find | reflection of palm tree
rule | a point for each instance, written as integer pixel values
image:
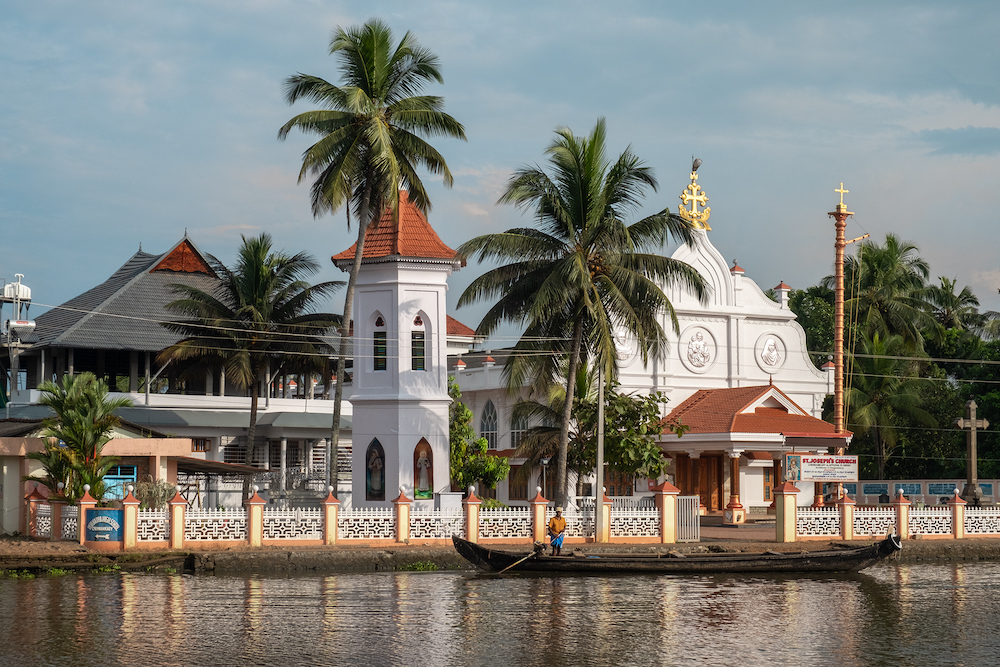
(368, 142)
(881, 396)
(583, 272)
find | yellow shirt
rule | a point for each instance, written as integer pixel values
(557, 524)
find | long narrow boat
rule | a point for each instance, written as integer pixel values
(837, 560)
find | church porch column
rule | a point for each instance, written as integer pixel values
(734, 514)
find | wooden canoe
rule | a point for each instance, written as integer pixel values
(837, 560)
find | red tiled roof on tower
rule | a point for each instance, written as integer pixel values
(407, 234)
(727, 411)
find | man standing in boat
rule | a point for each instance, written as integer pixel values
(557, 531)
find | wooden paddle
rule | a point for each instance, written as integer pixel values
(531, 555)
(534, 552)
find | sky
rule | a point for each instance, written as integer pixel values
(125, 124)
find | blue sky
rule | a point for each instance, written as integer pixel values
(125, 123)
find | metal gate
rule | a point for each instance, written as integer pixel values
(688, 519)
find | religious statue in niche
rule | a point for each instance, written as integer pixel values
(770, 355)
(698, 352)
(423, 471)
(375, 472)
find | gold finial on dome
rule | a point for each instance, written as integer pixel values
(694, 196)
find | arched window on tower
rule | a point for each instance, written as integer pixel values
(417, 346)
(518, 429)
(488, 425)
(380, 349)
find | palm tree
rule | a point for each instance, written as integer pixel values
(951, 310)
(260, 310)
(369, 144)
(882, 395)
(885, 289)
(584, 272)
(82, 425)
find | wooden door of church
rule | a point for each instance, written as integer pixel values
(702, 477)
(710, 482)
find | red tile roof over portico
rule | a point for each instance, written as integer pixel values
(726, 411)
(409, 236)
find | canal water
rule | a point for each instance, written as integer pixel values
(891, 615)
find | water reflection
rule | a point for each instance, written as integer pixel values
(895, 615)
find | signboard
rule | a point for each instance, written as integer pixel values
(104, 525)
(821, 468)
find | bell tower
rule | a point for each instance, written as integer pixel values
(400, 399)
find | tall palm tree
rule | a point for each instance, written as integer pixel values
(369, 144)
(584, 272)
(886, 290)
(260, 310)
(884, 393)
(951, 310)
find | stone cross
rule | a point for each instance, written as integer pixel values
(971, 494)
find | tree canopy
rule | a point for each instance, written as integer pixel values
(582, 273)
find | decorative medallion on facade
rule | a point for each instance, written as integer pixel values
(697, 349)
(692, 197)
(770, 352)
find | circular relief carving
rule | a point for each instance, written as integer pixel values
(770, 352)
(697, 349)
(626, 347)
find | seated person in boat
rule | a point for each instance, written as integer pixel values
(557, 531)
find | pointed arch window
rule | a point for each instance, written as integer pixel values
(375, 471)
(418, 350)
(518, 429)
(488, 425)
(380, 345)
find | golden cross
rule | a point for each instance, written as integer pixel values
(842, 191)
(694, 197)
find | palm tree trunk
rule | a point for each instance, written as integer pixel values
(333, 451)
(251, 429)
(574, 362)
(880, 452)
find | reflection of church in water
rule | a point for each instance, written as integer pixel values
(737, 374)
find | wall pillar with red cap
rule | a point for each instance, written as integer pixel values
(331, 510)
(539, 526)
(957, 505)
(402, 505)
(786, 499)
(130, 527)
(255, 519)
(471, 506)
(178, 510)
(902, 507)
(665, 496)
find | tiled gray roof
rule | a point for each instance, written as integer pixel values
(122, 313)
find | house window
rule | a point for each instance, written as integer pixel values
(516, 489)
(234, 453)
(518, 429)
(380, 350)
(618, 483)
(488, 425)
(417, 350)
(116, 479)
(201, 445)
(768, 483)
